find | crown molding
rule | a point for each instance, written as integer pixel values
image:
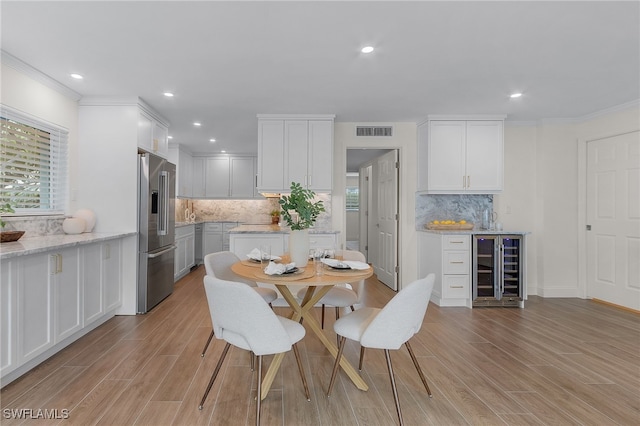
(15, 63)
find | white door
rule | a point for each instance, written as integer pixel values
(613, 213)
(386, 207)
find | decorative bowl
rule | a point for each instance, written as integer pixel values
(73, 225)
(89, 217)
(9, 236)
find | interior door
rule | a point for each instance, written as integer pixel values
(386, 209)
(613, 214)
(365, 208)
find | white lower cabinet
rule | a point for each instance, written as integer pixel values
(448, 256)
(50, 299)
(213, 238)
(185, 251)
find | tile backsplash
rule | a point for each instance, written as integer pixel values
(245, 211)
(454, 207)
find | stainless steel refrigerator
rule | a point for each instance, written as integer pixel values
(156, 223)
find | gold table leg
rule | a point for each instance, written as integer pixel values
(312, 296)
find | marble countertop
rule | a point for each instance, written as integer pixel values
(474, 232)
(33, 245)
(272, 229)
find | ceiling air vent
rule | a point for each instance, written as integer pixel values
(374, 131)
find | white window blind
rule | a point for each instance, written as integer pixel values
(352, 198)
(33, 171)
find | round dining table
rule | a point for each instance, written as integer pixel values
(317, 286)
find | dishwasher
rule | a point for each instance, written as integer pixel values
(198, 243)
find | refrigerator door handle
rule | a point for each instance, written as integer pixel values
(163, 216)
(160, 253)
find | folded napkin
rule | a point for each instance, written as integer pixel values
(256, 254)
(354, 264)
(346, 264)
(278, 268)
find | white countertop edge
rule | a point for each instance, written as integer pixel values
(34, 245)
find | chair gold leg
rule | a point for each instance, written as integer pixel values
(335, 366)
(207, 344)
(415, 363)
(259, 397)
(304, 379)
(361, 358)
(215, 374)
(393, 385)
(337, 318)
(252, 360)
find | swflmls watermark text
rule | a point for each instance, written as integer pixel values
(37, 413)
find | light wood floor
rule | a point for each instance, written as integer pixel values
(556, 362)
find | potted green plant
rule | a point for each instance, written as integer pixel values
(7, 236)
(300, 213)
(275, 217)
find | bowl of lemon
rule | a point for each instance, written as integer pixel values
(448, 224)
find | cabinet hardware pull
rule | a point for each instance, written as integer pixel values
(457, 286)
(456, 242)
(457, 262)
(468, 182)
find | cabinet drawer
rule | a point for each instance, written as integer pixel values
(229, 225)
(456, 286)
(184, 231)
(456, 242)
(213, 227)
(455, 262)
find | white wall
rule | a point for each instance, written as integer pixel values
(545, 187)
(404, 139)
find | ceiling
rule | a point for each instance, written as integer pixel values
(228, 61)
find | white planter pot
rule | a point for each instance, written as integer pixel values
(299, 247)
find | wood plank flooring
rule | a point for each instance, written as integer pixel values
(556, 362)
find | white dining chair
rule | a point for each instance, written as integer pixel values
(387, 328)
(341, 296)
(242, 319)
(218, 265)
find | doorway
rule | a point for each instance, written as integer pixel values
(372, 223)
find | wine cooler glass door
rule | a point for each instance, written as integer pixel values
(485, 268)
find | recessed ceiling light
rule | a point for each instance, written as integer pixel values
(367, 49)
(223, 151)
(170, 137)
(197, 124)
(212, 140)
(168, 94)
(76, 76)
(515, 95)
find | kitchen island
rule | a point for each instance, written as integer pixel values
(245, 238)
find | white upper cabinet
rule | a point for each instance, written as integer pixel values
(295, 149)
(243, 177)
(217, 177)
(270, 155)
(461, 155)
(153, 134)
(199, 167)
(184, 166)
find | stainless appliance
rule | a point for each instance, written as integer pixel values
(156, 223)
(498, 270)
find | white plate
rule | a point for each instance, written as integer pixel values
(339, 264)
(275, 258)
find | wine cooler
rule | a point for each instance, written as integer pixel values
(498, 270)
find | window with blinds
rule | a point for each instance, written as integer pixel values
(352, 198)
(33, 170)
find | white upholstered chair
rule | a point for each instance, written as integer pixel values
(242, 319)
(387, 328)
(340, 296)
(219, 265)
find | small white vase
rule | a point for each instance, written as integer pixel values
(299, 247)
